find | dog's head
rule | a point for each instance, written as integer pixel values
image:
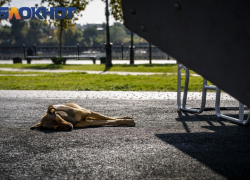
(52, 121)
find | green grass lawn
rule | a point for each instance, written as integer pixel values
(96, 82)
(165, 68)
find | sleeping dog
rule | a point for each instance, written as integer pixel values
(66, 116)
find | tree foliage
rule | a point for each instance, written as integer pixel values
(5, 34)
(89, 35)
(65, 23)
(79, 4)
(72, 36)
(17, 31)
(2, 2)
(117, 34)
(116, 9)
(34, 31)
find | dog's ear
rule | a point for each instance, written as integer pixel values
(64, 125)
(51, 109)
(37, 126)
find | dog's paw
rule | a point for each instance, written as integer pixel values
(130, 123)
(126, 117)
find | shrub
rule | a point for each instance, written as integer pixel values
(58, 60)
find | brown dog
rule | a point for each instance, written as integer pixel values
(69, 115)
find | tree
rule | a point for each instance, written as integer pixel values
(117, 34)
(5, 34)
(89, 35)
(17, 31)
(34, 32)
(72, 36)
(116, 9)
(65, 23)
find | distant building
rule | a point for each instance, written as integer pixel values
(89, 25)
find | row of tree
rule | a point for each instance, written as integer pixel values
(37, 32)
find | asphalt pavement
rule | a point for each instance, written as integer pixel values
(165, 144)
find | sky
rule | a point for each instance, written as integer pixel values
(94, 12)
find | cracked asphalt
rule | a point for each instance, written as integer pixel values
(165, 144)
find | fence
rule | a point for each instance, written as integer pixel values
(118, 52)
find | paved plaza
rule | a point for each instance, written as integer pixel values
(165, 144)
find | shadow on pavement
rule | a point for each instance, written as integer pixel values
(224, 149)
(106, 69)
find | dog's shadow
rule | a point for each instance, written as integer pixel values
(46, 131)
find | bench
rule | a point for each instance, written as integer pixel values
(93, 57)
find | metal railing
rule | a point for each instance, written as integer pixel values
(119, 52)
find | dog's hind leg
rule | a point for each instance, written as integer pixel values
(73, 105)
(98, 116)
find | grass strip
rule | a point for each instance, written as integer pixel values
(94, 82)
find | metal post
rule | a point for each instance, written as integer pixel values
(122, 51)
(132, 49)
(35, 49)
(24, 51)
(78, 50)
(150, 53)
(108, 45)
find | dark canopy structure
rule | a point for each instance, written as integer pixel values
(210, 37)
